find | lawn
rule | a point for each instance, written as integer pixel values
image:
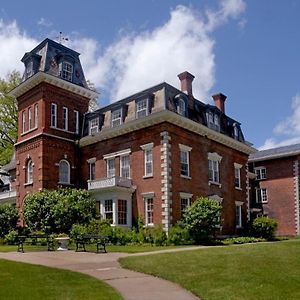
(251, 271)
(32, 282)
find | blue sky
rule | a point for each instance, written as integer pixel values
(248, 50)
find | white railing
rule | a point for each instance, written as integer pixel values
(8, 195)
(109, 182)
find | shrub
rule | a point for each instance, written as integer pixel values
(202, 218)
(242, 240)
(264, 227)
(8, 218)
(178, 235)
(11, 237)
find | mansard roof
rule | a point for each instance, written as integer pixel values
(274, 153)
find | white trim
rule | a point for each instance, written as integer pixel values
(214, 156)
(91, 160)
(216, 198)
(148, 195)
(118, 153)
(76, 123)
(65, 118)
(148, 146)
(237, 166)
(184, 148)
(53, 115)
(239, 203)
(185, 195)
(296, 196)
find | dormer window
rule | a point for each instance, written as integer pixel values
(67, 71)
(142, 108)
(235, 132)
(94, 126)
(181, 107)
(29, 69)
(116, 117)
(213, 121)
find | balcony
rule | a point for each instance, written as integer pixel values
(108, 183)
(8, 197)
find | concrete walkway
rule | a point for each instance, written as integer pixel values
(131, 285)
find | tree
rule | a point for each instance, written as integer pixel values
(8, 218)
(58, 210)
(202, 218)
(8, 117)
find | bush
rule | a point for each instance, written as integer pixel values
(178, 235)
(202, 218)
(264, 227)
(242, 240)
(8, 218)
(11, 237)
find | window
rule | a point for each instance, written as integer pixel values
(124, 166)
(237, 175)
(36, 111)
(185, 201)
(92, 170)
(261, 173)
(65, 118)
(108, 209)
(29, 172)
(29, 69)
(217, 122)
(181, 107)
(214, 167)
(29, 117)
(116, 118)
(213, 121)
(142, 108)
(261, 195)
(111, 171)
(184, 160)
(235, 131)
(122, 212)
(148, 159)
(64, 172)
(94, 126)
(149, 211)
(238, 214)
(67, 71)
(76, 121)
(53, 115)
(23, 121)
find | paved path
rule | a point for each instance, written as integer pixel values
(131, 285)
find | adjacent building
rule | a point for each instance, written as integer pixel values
(150, 154)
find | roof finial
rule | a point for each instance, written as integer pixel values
(61, 38)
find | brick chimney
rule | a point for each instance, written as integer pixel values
(186, 80)
(220, 101)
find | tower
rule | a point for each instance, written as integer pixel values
(52, 100)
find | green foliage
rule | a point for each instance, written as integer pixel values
(178, 235)
(8, 117)
(202, 218)
(8, 218)
(242, 240)
(58, 210)
(11, 237)
(264, 227)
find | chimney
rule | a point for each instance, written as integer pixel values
(186, 80)
(220, 101)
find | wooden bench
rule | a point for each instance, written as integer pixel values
(35, 238)
(86, 239)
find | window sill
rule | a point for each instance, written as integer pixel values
(148, 176)
(149, 225)
(63, 130)
(214, 183)
(238, 188)
(28, 131)
(28, 184)
(65, 184)
(185, 176)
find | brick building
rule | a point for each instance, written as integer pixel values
(150, 154)
(275, 190)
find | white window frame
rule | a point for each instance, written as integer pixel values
(36, 114)
(181, 107)
(238, 214)
(116, 117)
(124, 212)
(237, 176)
(235, 132)
(76, 121)
(142, 108)
(29, 171)
(261, 173)
(92, 168)
(149, 208)
(67, 70)
(110, 167)
(185, 197)
(23, 121)
(214, 161)
(148, 159)
(53, 115)
(107, 203)
(93, 126)
(185, 153)
(29, 118)
(217, 122)
(213, 121)
(64, 174)
(261, 195)
(125, 166)
(65, 118)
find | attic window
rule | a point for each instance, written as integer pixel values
(94, 126)
(235, 132)
(142, 108)
(213, 121)
(181, 107)
(116, 117)
(67, 71)
(29, 69)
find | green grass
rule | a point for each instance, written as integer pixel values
(32, 282)
(253, 271)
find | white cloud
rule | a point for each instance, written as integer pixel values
(43, 22)
(287, 131)
(13, 45)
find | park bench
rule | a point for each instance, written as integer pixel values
(34, 239)
(86, 239)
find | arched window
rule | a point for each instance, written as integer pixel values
(64, 172)
(29, 171)
(181, 107)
